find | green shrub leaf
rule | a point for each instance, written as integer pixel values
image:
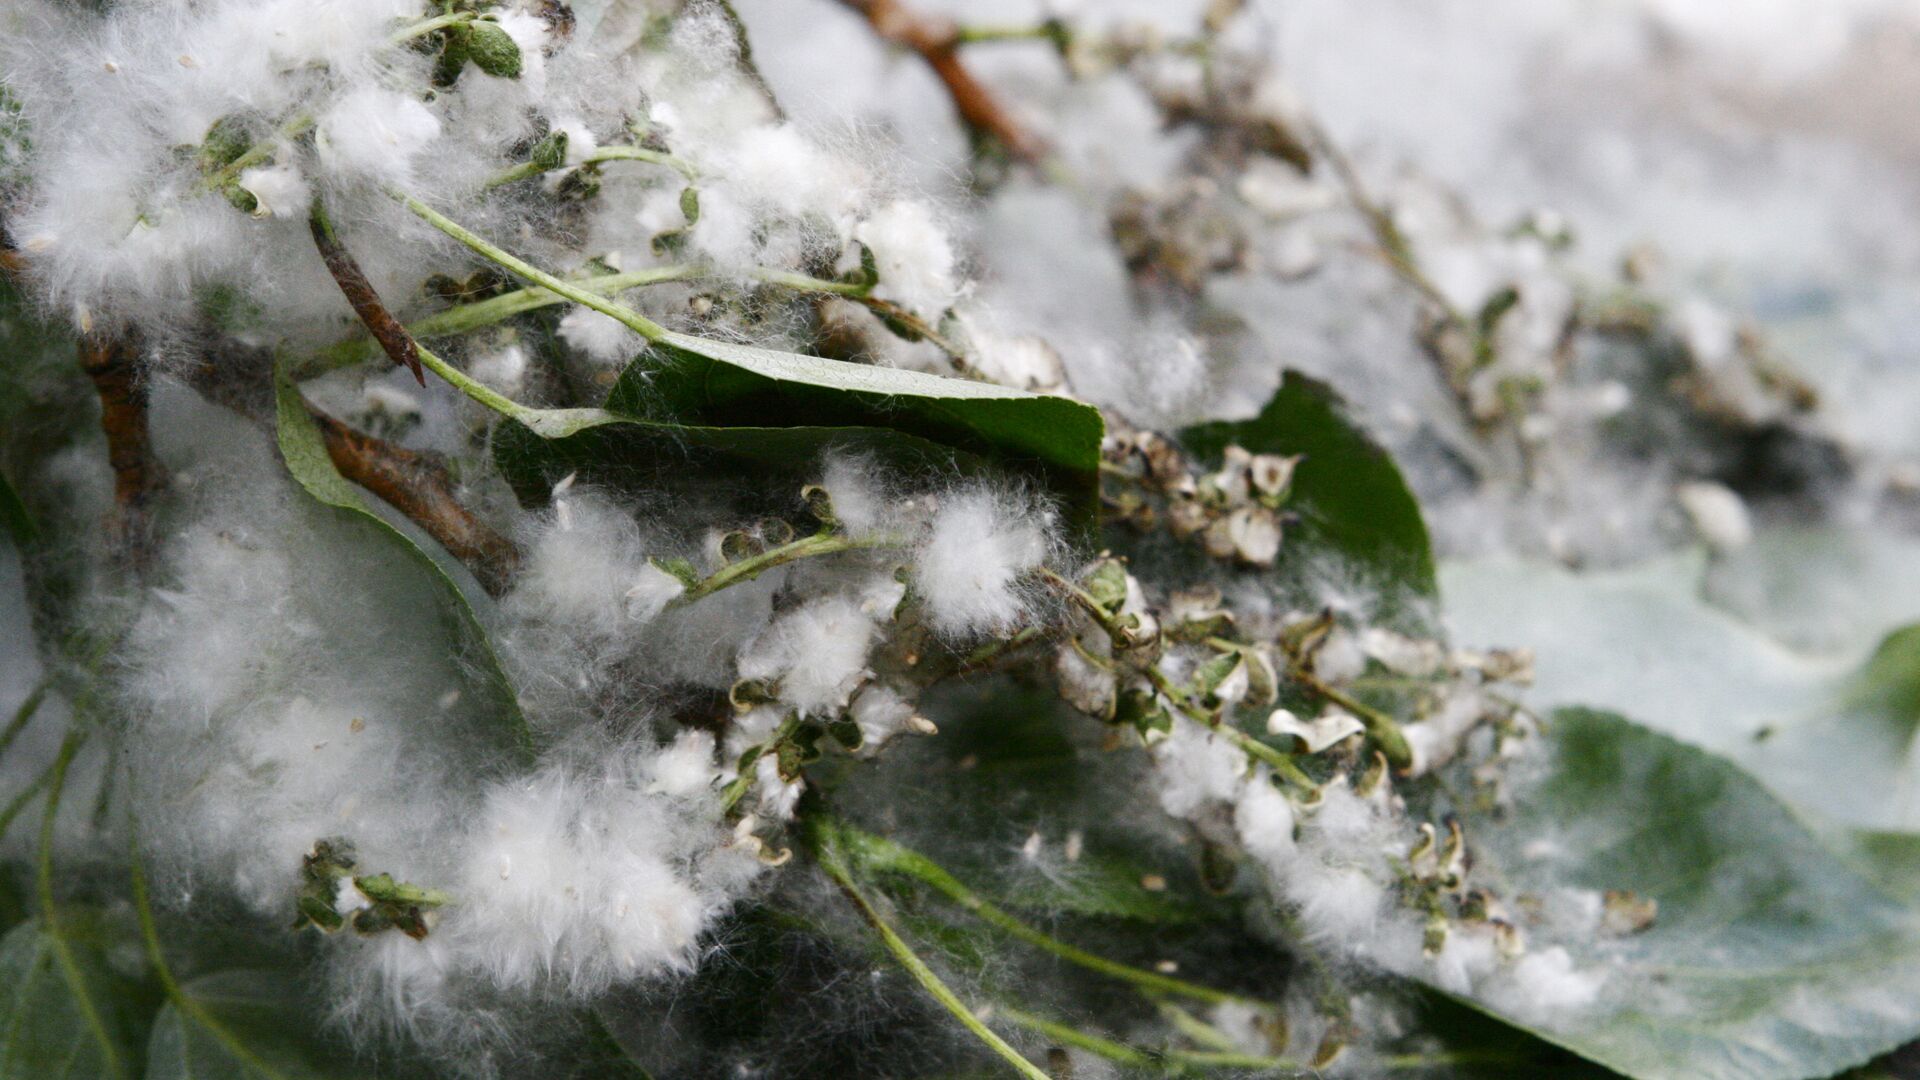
(1833, 734)
(49, 1031)
(1771, 957)
(242, 1025)
(1351, 500)
(306, 457)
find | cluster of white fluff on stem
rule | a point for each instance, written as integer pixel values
(1337, 861)
(283, 672)
(120, 221)
(972, 566)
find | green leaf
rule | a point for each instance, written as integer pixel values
(1770, 957)
(243, 1025)
(305, 453)
(1349, 494)
(691, 381)
(49, 1031)
(1834, 734)
(14, 516)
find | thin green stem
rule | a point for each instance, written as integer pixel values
(528, 169)
(639, 323)
(1081, 1040)
(21, 801)
(465, 318)
(861, 294)
(788, 279)
(1177, 696)
(734, 792)
(833, 861)
(24, 715)
(548, 423)
(49, 910)
(1384, 730)
(1169, 1058)
(806, 547)
(427, 26)
(255, 154)
(1194, 1028)
(186, 1004)
(981, 35)
(879, 853)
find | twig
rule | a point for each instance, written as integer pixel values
(879, 853)
(112, 362)
(419, 486)
(416, 484)
(1384, 730)
(77, 983)
(462, 318)
(833, 861)
(527, 169)
(938, 43)
(753, 566)
(386, 329)
(743, 56)
(499, 256)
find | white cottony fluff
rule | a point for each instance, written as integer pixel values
(581, 567)
(280, 190)
(601, 338)
(1547, 980)
(817, 652)
(376, 134)
(1263, 818)
(575, 879)
(859, 504)
(969, 568)
(914, 256)
(1717, 513)
(685, 768)
(1196, 767)
(881, 713)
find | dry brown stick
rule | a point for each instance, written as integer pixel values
(418, 485)
(380, 322)
(415, 483)
(938, 43)
(112, 361)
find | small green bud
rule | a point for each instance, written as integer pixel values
(550, 152)
(225, 141)
(493, 50)
(1107, 584)
(869, 273)
(243, 200)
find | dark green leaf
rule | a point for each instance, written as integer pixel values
(51, 1029)
(1770, 956)
(243, 1025)
(1349, 494)
(306, 457)
(14, 516)
(691, 381)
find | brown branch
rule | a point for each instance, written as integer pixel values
(938, 43)
(386, 329)
(112, 361)
(418, 485)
